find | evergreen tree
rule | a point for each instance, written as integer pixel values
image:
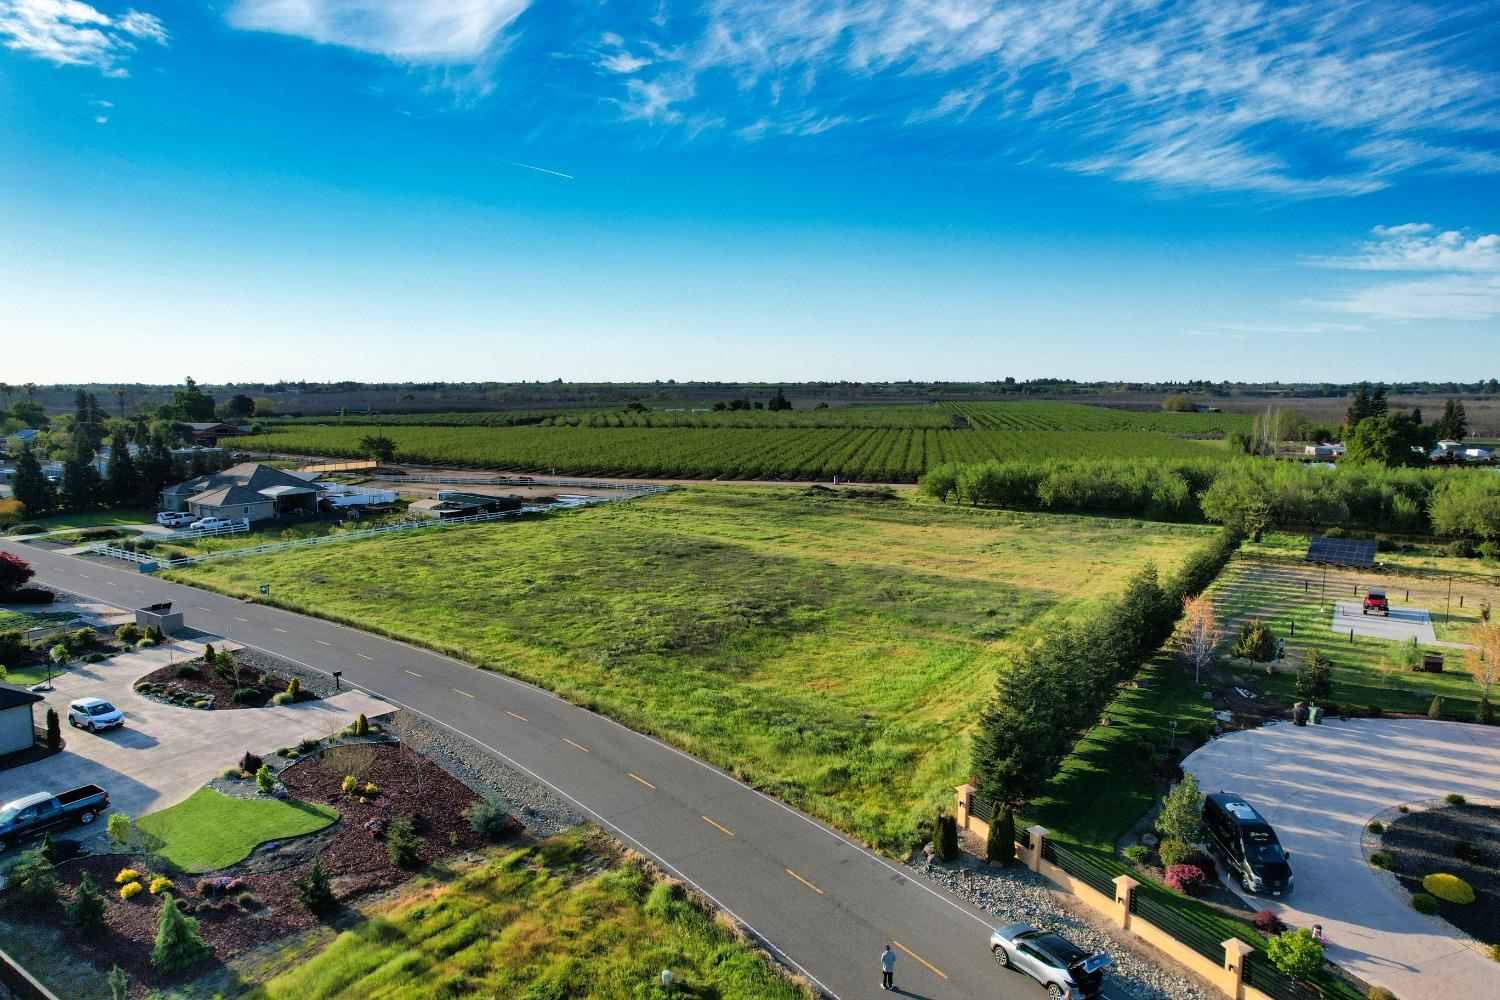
(121, 484)
(1378, 405)
(1181, 817)
(315, 891)
(119, 986)
(1453, 425)
(85, 911)
(1001, 845)
(1359, 407)
(30, 486)
(178, 943)
(1315, 677)
(156, 470)
(779, 401)
(1019, 741)
(81, 485)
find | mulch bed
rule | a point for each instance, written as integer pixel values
(356, 860)
(1422, 843)
(206, 685)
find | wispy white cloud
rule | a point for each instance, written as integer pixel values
(1459, 275)
(73, 33)
(417, 32)
(1296, 99)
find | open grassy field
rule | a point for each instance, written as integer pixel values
(538, 923)
(874, 454)
(829, 648)
(210, 830)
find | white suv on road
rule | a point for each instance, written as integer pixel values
(94, 714)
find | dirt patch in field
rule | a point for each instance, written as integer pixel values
(1427, 842)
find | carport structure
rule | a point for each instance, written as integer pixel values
(1319, 786)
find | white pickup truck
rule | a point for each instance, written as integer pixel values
(218, 523)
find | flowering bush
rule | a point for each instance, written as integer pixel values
(130, 889)
(1186, 879)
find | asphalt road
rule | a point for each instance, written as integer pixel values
(824, 904)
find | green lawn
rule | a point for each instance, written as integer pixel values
(537, 923)
(832, 651)
(96, 518)
(211, 830)
(24, 620)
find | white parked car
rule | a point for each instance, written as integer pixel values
(173, 518)
(94, 714)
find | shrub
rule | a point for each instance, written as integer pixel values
(1435, 710)
(208, 653)
(54, 731)
(1137, 854)
(80, 639)
(119, 829)
(247, 901)
(1000, 846)
(14, 572)
(1315, 677)
(1380, 859)
(1174, 852)
(85, 911)
(250, 762)
(315, 892)
(1255, 642)
(489, 819)
(1449, 888)
(32, 881)
(1296, 953)
(160, 884)
(25, 528)
(1380, 993)
(186, 670)
(402, 842)
(1467, 850)
(231, 773)
(127, 875)
(129, 634)
(203, 703)
(265, 780)
(294, 686)
(93, 657)
(1375, 826)
(348, 785)
(1455, 799)
(283, 698)
(119, 986)
(361, 725)
(1495, 952)
(12, 644)
(1181, 817)
(1268, 923)
(1423, 903)
(178, 943)
(30, 595)
(945, 837)
(1186, 879)
(370, 789)
(58, 851)
(245, 695)
(131, 889)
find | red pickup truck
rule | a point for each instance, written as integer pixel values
(1375, 603)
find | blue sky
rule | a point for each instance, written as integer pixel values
(786, 190)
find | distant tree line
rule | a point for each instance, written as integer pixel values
(1054, 690)
(1248, 494)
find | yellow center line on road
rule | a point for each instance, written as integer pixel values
(930, 967)
(716, 826)
(578, 745)
(464, 693)
(637, 777)
(412, 672)
(364, 657)
(804, 881)
(513, 715)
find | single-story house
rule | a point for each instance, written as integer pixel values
(17, 728)
(249, 490)
(208, 434)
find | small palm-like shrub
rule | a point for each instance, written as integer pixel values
(1449, 888)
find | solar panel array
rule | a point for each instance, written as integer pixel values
(1341, 551)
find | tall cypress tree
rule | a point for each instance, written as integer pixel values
(1454, 423)
(29, 486)
(81, 485)
(121, 483)
(156, 470)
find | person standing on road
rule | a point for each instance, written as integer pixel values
(888, 969)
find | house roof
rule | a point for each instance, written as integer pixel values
(14, 697)
(228, 496)
(252, 476)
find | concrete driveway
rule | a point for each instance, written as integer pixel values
(1402, 624)
(1319, 786)
(164, 753)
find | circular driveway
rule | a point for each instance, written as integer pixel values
(1319, 786)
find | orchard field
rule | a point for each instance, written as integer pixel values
(830, 646)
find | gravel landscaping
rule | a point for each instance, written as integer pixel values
(1018, 895)
(1426, 841)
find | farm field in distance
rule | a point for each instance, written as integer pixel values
(826, 645)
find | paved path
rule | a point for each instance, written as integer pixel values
(1319, 786)
(1400, 624)
(164, 753)
(826, 905)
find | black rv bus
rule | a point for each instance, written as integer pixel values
(1247, 844)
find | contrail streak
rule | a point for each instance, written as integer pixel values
(540, 170)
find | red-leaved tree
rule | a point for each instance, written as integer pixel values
(14, 572)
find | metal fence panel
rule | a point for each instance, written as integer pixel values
(980, 809)
(1275, 984)
(1084, 871)
(1205, 943)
